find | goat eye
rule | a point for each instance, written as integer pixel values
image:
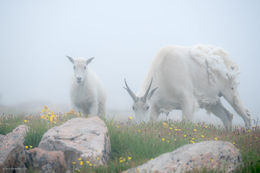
(74, 67)
(133, 107)
(84, 67)
(147, 107)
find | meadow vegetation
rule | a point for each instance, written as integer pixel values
(132, 145)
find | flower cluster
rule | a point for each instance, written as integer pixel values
(28, 147)
(80, 163)
(48, 115)
(74, 113)
(123, 159)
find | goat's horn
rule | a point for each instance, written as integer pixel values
(148, 89)
(70, 58)
(131, 93)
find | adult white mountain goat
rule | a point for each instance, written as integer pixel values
(87, 94)
(186, 78)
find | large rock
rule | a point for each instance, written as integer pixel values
(2, 138)
(46, 161)
(84, 138)
(212, 155)
(12, 155)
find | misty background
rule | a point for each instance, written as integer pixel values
(124, 37)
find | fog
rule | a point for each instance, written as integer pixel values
(123, 36)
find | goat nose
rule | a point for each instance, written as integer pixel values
(79, 78)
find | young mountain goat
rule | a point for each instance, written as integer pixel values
(87, 93)
(187, 78)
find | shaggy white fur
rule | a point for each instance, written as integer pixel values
(87, 93)
(216, 61)
(189, 78)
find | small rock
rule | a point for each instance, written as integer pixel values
(212, 155)
(12, 155)
(46, 161)
(81, 139)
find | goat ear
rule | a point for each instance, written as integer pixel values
(71, 59)
(151, 93)
(89, 60)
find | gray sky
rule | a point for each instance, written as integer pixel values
(124, 36)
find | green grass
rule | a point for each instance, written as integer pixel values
(37, 128)
(147, 141)
(9, 122)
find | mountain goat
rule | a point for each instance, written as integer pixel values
(187, 78)
(87, 94)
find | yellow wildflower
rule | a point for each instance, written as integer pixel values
(165, 125)
(30, 146)
(194, 130)
(95, 165)
(130, 118)
(26, 121)
(117, 126)
(73, 163)
(163, 139)
(216, 138)
(26, 147)
(139, 131)
(191, 141)
(129, 157)
(234, 142)
(168, 141)
(184, 136)
(170, 128)
(202, 136)
(79, 158)
(87, 162)
(81, 163)
(53, 118)
(174, 139)
(90, 164)
(98, 158)
(211, 159)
